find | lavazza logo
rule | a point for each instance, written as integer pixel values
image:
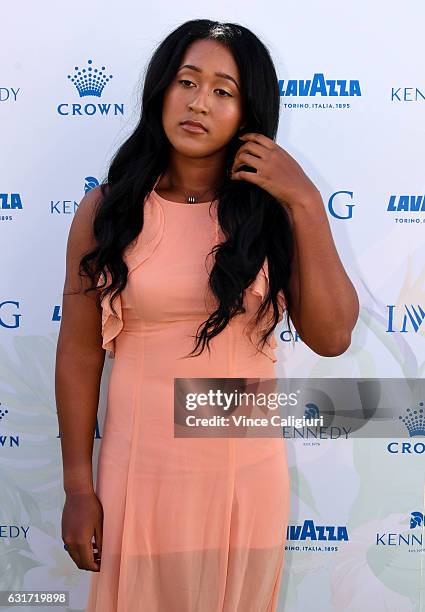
(90, 82)
(334, 93)
(315, 538)
(407, 208)
(10, 203)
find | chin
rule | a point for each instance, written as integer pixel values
(190, 149)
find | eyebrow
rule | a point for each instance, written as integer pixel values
(219, 74)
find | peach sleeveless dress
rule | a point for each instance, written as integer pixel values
(190, 524)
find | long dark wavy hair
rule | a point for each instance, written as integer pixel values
(255, 225)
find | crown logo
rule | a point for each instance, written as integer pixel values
(3, 412)
(89, 81)
(414, 421)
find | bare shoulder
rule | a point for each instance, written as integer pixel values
(81, 238)
(88, 205)
(81, 229)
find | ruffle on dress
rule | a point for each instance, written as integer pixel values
(135, 254)
(259, 287)
(112, 323)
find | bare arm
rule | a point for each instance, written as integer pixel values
(79, 356)
(326, 305)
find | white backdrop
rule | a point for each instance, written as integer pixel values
(363, 152)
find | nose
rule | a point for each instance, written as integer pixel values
(199, 103)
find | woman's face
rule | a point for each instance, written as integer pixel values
(206, 88)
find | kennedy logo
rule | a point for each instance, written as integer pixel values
(414, 422)
(407, 94)
(410, 539)
(417, 519)
(69, 207)
(311, 435)
(90, 182)
(90, 81)
(9, 94)
(311, 411)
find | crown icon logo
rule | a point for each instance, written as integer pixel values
(414, 421)
(89, 81)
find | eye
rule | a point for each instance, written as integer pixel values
(226, 92)
(185, 81)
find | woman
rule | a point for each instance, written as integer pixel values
(181, 265)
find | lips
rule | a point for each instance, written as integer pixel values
(194, 124)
